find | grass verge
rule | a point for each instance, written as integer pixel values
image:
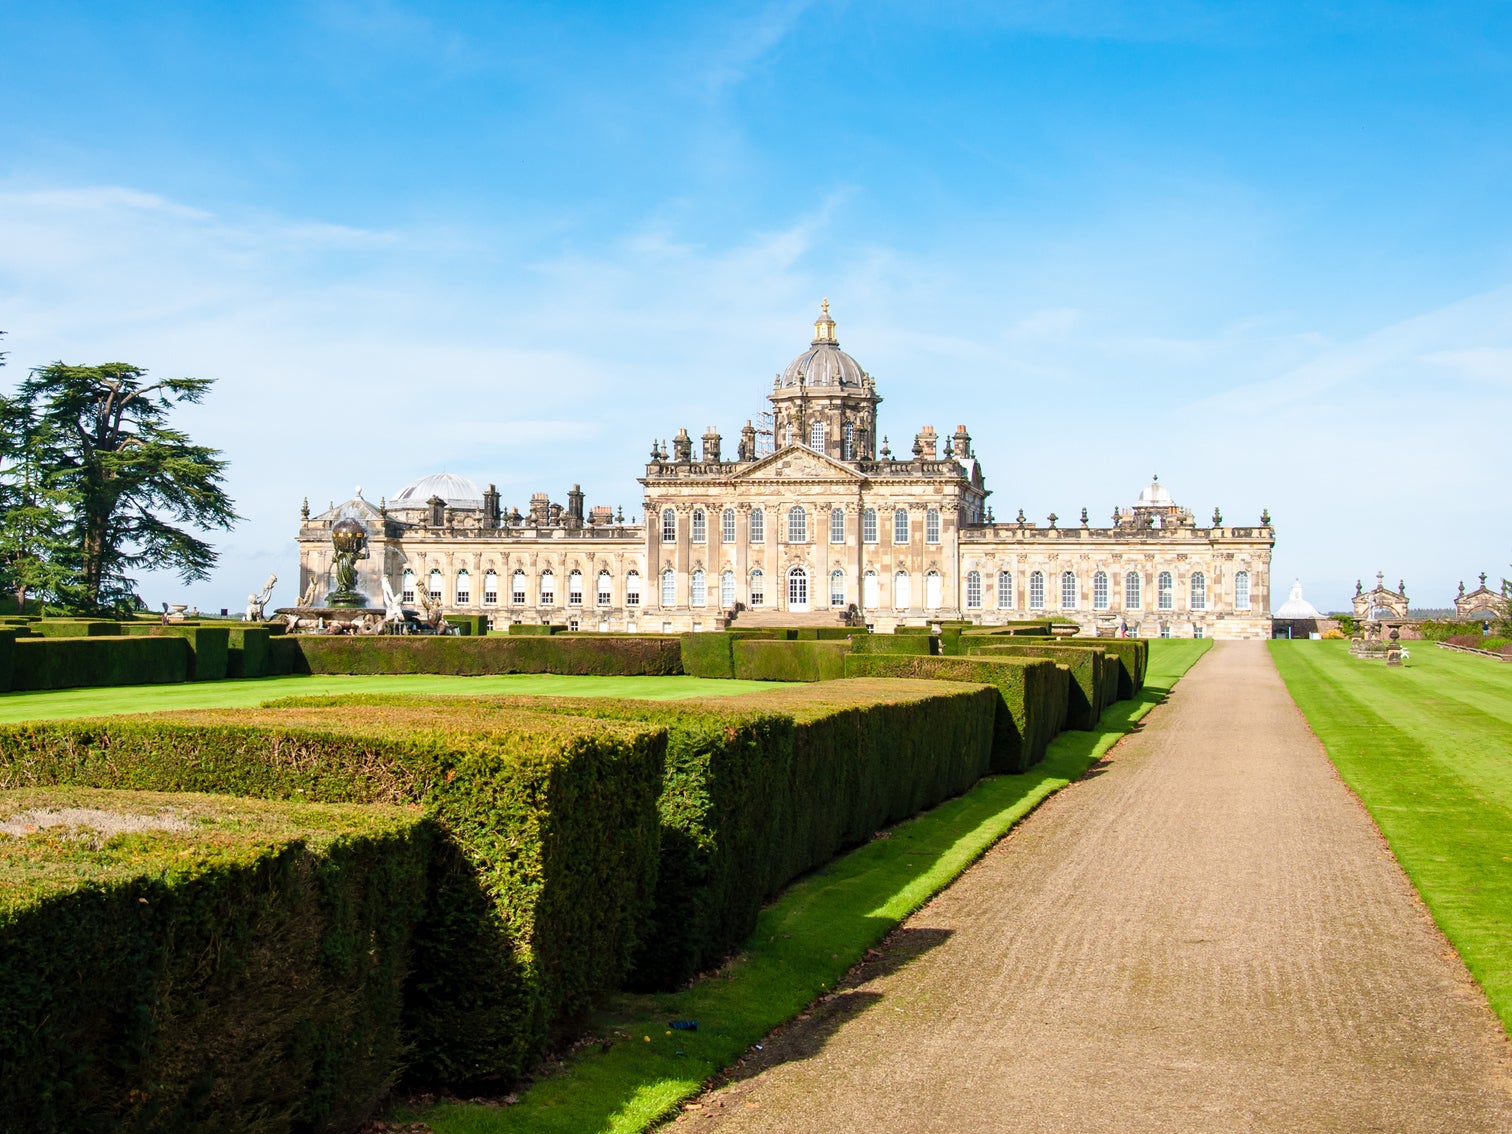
(1428, 750)
(639, 1069)
(248, 693)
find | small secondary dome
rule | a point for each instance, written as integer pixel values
(456, 491)
(824, 363)
(1154, 496)
(1295, 605)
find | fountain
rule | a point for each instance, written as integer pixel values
(346, 609)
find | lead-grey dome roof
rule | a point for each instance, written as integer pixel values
(1296, 606)
(824, 363)
(457, 491)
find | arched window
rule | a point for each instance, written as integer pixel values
(837, 588)
(632, 589)
(700, 526)
(932, 526)
(1100, 591)
(870, 592)
(848, 441)
(900, 525)
(787, 434)
(435, 585)
(575, 588)
(816, 435)
(1241, 591)
(1068, 590)
(837, 525)
(491, 588)
(798, 589)
(517, 588)
(407, 587)
(1131, 591)
(1005, 590)
(973, 590)
(1037, 591)
(797, 525)
(758, 526)
(727, 525)
(669, 588)
(669, 526)
(758, 587)
(933, 590)
(698, 589)
(727, 589)
(605, 591)
(464, 587)
(548, 587)
(902, 598)
(869, 526)
(1199, 591)
(1165, 592)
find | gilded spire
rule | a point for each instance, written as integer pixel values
(824, 326)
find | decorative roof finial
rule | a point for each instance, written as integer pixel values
(824, 326)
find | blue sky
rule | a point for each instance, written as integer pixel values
(1262, 249)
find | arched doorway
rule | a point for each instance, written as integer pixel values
(798, 590)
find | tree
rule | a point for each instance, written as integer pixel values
(132, 483)
(33, 510)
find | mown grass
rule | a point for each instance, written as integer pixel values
(639, 1069)
(1428, 749)
(248, 693)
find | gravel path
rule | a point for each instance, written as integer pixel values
(1207, 934)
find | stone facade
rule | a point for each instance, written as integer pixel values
(1480, 605)
(811, 521)
(1380, 602)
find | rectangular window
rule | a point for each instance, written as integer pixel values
(1196, 631)
(1068, 591)
(869, 526)
(837, 525)
(700, 527)
(974, 590)
(1036, 591)
(932, 526)
(758, 526)
(1005, 590)
(548, 588)
(490, 590)
(900, 526)
(1100, 591)
(669, 526)
(727, 526)
(517, 589)
(1165, 593)
(758, 588)
(604, 590)
(1241, 591)
(464, 594)
(837, 588)
(632, 589)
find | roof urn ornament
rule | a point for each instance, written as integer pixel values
(1462, 588)
(1217, 518)
(1265, 517)
(1021, 520)
(1084, 517)
(1483, 580)
(304, 509)
(1053, 518)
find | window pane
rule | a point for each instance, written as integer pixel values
(869, 525)
(697, 589)
(900, 526)
(797, 525)
(700, 526)
(1199, 591)
(575, 589)
(517, 588)
(669, 526)
(837, 588)
(816, 435)
(973, 590)
(490, 588)
(758, 525)
(932, 526)
(1005, 590)
(758, 588)
(1164, 592)
(1068, 590)
(1100, 591)
(605, 590)
(837, 525)
(1241, 591)
(1037, 591)
(632, 589)
(1131, 591)
(727, 526)
(727, 589)
(668, 588)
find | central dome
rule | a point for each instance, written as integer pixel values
(1154, 496)
(456, 491)
(824, 363)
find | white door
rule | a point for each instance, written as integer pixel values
(932, 591)
(798, 583)
(870, 595)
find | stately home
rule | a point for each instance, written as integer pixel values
(809, 520)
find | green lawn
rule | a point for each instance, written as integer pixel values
(248, 693)
(1428, 748)
(803, 944)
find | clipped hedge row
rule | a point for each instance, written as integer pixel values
(247, 651)
(709, 655)
(62, 663)
(536, 896)
(894, 644)
(628, 656)
(74, 628)
(208, 645)
(758, 660)
(1133, 655)
(249, 966)
(1093, 682)
(1032, 697)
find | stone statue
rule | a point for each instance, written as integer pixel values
(349, 539)
(430, 609)
(393, 609)
(311, 593)
(256, 602)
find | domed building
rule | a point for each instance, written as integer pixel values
(809, 522)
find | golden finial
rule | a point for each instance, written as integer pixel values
(824, 303)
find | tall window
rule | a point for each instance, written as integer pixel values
(727, 589)
(548, 588)
(700, 526)
(464, 587)
(605, 591)
(758, 525)
(668, 588)
(973, 590)
(1199, 591)
(798, 588)
(517, 588)
(1068, 590)
(491, 588)
(837, 588)
(727, 525)
(435, 585)
(870, 591)
(1037, 591)
(900, 525)
(902, 598)
(1165, 592)
(758, 587)
(787, 434)
(407, 587)
(1131, 591)
(933, 591)
(669, 526)
(869, 526)
(1005, 590)
(1100, 591)
(837, 525)
(698, 589)
(797, 525)
(816, 435)
(932, 526)
(1241, 591)
(575, 588)
(848, 441)
(632, 589)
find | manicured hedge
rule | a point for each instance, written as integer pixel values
(758, 660)
(707, 655)
(1133, 655)
(1032, 697)
(208, 645)
(74, 628)
(247, 651)
(894, 644)
(62, 663)
(1094, 680)
(825, 633)
(8, 636)
(537, 895)
(542, 630)
(471, 625)
(762, 788)
(246, 973)
(631, 655)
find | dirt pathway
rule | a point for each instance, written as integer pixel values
(1208, 935)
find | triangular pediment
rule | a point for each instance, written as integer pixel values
(799, 462)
